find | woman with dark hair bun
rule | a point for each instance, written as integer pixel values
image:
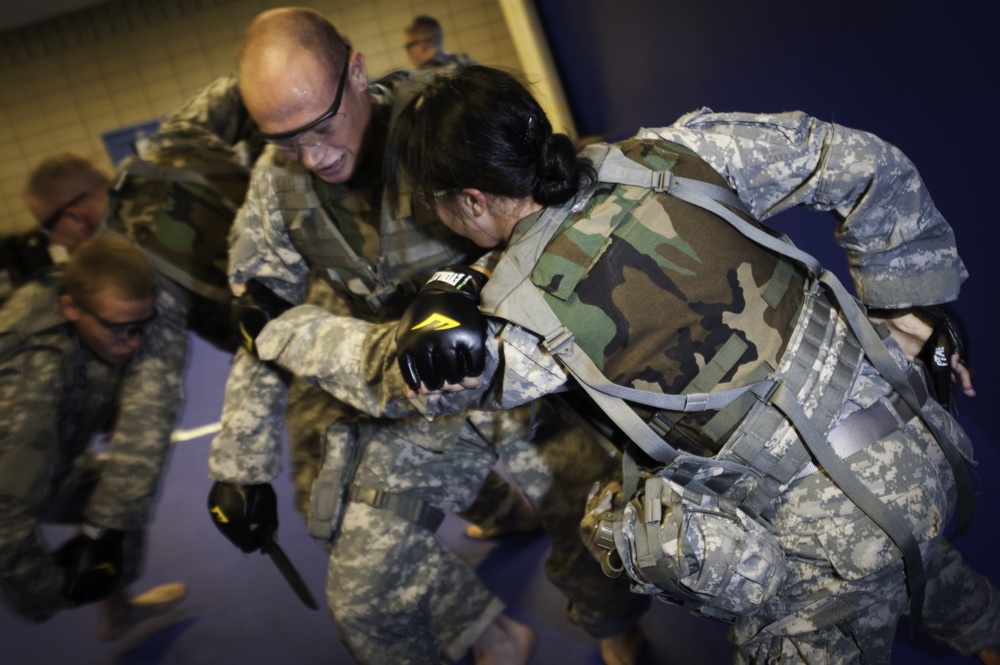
(640, 271)
(786, 469)
(483, 127)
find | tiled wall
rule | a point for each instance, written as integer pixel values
(66, 80)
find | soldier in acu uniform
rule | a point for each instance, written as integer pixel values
(316, 207)
(66, 344)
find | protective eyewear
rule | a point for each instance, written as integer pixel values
(415, 42)
(50, 222)
(126, 329)
(318, 130)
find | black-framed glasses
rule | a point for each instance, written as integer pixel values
(50, 222)
(125, 329)
(429, 198)
(410, 44)
(311, 134)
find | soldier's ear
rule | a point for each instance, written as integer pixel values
(474, 201)
(358, 71)
(70, 310)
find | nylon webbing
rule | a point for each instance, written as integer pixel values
(195, 174)
(886, 516)
(413, 510)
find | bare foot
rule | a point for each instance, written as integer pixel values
(504, 642)
(990, 656)
(622, 648)
(522, 519)
(117, 615)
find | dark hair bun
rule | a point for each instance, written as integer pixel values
(558, 171)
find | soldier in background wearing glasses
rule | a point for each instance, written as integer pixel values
(66, 340)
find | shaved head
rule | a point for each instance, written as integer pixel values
(291, 54)
(290, 64)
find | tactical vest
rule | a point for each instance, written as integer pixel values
(750, 386)
(179, 209)
(412, 242)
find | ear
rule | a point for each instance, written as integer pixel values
(70, 310)
(358, 71)
(474, 201)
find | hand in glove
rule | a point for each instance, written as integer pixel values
(441, 335)
(252, 310)
(945, 354)
(245, 514)
(93, 563)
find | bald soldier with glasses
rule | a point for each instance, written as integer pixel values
(316, 208)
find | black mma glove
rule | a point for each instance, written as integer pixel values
(245, 514)
(947, 339)
(93, 563)
(440, 337)
(253, 310)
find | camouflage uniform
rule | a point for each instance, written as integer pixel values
(396, 595)
(56, 397)
(621, 248)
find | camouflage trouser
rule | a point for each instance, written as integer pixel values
(845, 589)
(399, 597)
(72, 496)
(556, 470)
(309, 413)
(396, 595)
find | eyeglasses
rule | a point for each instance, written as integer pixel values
(50, 222)
(415, 42)
(317, 131)
(128, 329)
(429, 199)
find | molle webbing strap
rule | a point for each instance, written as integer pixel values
(816, 335)
(194, 174)
(887, 516)
(413, 510)
(406, 247)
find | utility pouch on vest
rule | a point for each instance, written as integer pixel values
(342, 451)
(682, 539)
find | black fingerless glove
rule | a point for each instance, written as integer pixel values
(441, 335)
(253, 310)
(947, 339)
(92, 562)
(245, 514)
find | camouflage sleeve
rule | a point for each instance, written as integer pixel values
(30, 384)
(259, 247)
(214, 118)
(901, 251)
(356, 362)
(151, 395)
(248, 449)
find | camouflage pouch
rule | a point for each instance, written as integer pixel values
(684, 541)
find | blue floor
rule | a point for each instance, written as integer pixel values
(241, 612)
